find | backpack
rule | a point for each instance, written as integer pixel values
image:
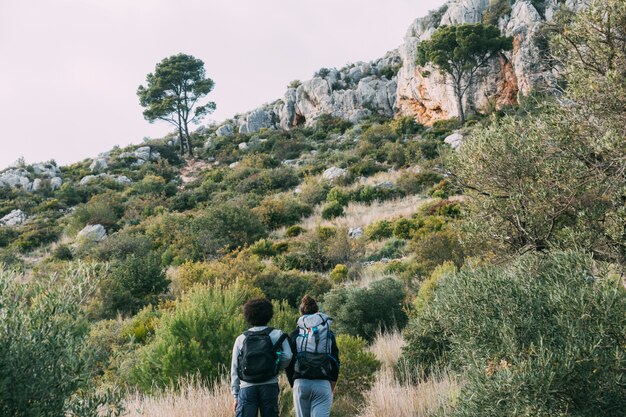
(259, 358)
(313, 347)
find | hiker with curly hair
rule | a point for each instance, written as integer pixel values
(258, 356)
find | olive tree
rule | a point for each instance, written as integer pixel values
(172, 94)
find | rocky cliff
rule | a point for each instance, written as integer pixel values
(395, 84)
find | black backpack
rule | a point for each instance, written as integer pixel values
(259, 358)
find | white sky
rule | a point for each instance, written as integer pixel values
(69, 69)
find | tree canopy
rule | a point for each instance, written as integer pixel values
(172, 94)
(460, 51)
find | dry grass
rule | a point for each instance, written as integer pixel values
(388, 348)
(390, 397)
(360, 215)
(192, 400)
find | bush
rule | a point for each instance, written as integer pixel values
(276, 212)
(364, 311)
(331, 210)
(404, 228)
(293, 231)
(540, 337)
(290, 286)
(440, 246)
(195, 339)
(105, 209)
(62, 253)
(411, 183)
(380, 230)
(44, 357)
(339, 273)
(132, 284)
(338, 195)
(358, 367)
(392, 249)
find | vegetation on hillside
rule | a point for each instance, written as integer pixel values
(483, 281)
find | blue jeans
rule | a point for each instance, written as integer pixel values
(263, 398)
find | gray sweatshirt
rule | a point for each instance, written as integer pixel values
(285, 358)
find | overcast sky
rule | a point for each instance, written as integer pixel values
(70, 68)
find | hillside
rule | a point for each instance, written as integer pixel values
(472, 269)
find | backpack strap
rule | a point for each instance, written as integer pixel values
(280, 341)
(265, 331)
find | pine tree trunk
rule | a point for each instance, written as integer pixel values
(459, 103)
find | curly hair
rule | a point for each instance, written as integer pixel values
(258, 311)
(308, 305)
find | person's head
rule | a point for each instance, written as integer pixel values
(308, 305)
(258, 311)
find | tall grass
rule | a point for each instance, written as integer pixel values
(390, 397)
(388, 348)
(192, 399)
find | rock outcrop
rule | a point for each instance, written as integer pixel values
(36, 177)
(92, 233)
(14, 218)
(396, 85)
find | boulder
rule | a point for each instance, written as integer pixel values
(122, 179)
(355, 233)
(87, 179)
(454, 140)
(98, 164)
(92, 233)
(333, 173)
(234, 164)
(145, 153)
(37, 184)
(243, 146)
(226, 130)
(384, 184)
(256, 120)
(14, 218)
(55, 183)
(46, 169)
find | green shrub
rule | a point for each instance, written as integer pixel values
(132, 283)
(338, 195)
(358, 367)
(543, 336)
(380, 230)
(263, 248)
(290, 286)
(411, 183)
(276, 212)
(44, 357)
(435, 248)
(331, 210)
(363, 311)
(405, 126)
(496, 10)
(195, 339)
(425, 293)
(295, 230)
(339, 273)
(404, 228)
(35, 234)
(392, 249)
(62, 253)
(7, 235)
(105, 209)
(313, 191)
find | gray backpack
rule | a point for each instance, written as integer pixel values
(313, 346)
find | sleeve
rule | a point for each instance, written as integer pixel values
(336, 362)
(290, 371)
(286, 353)
(234, 375)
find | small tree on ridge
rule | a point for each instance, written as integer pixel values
(172, 92)
(460, 51)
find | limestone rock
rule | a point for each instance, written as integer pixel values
(145, 153)
(87, 179)
(122, 179)
(14, 218)
(226, 130)
(46, 169)
(355, 233)
(454, 140)
(92, 233)
(98, 164)
(256, 120)
(56, 183)
(37, 184)
(243, 146)
(333, 173)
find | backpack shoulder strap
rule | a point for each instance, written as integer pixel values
(280, 341)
